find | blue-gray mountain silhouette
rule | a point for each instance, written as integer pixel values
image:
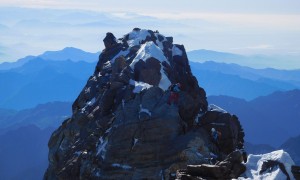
(59, 80)
(68, 53)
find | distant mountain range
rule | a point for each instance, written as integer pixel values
(291, 76)
(41, 81)
(269, 119)
(43, 116)
(203, 55)
(24, 137)
(60, 75)
(292, 146)
(68, 53)
(257, 61)
(243, 82)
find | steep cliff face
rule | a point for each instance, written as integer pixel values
(122, 126)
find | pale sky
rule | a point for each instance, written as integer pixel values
(231, 6)
(245, 27)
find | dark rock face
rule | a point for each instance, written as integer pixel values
(110, 40)
(148, 72)
(232, 134)
(122, 126)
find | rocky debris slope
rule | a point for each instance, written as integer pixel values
(122, 126)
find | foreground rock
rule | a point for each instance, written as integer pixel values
(122, 126)
(229, 168)
(276, 165)
(273, 165)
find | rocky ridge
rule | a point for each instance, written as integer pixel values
(122, 126)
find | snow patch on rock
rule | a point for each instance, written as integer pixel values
(255, 162)
(136, 37)
(147, 50)
(176, 51)
(150, 49)
(139, 86)
(89, 103)
(102, 147)
(77, 153)
(164, 83)
(121, 53)
(108, 130)
(144, 110)
(158, 42)
(213, 107)
(135, 141)
(123, 166)
(107, 65)
(198, 118)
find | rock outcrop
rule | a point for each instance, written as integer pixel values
(230, 168)
(274, 165)
(122, 126)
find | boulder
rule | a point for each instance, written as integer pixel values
(148, 72)
(109, 40)
(230, 168)
(231, 132)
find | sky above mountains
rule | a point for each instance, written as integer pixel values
(271, 27)
(237, 6)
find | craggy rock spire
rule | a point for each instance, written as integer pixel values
(122, 126)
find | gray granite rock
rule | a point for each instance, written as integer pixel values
(122, 126)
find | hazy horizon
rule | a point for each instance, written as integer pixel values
(269, 28)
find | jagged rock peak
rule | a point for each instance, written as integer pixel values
(122, 126)
(152, 48)
(144, 59)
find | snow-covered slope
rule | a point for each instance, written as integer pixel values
(255, 163)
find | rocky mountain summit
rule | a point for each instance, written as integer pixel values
(122, 126)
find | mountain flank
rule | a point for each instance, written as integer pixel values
(129, 122)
